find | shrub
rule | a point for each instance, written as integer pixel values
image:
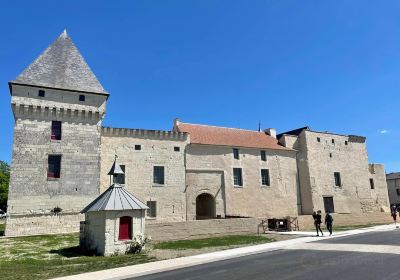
(137, 244)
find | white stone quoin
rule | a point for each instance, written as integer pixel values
(113, 219)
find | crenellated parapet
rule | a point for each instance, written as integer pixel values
(144, 133)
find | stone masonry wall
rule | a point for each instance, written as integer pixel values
(157, 149)
(393, 185)
(253, 199)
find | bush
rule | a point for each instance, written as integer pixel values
(137, 244)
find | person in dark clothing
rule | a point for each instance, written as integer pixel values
(317, 222)
(329, 222)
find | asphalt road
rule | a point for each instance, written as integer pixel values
(304, 264)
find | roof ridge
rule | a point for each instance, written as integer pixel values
(221, 127)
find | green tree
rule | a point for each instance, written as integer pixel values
(4, 181)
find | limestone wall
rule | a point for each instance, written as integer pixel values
(319, 160)
(393, 185)
(210, 169)
(157, 149)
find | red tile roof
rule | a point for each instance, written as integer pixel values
(233, 137)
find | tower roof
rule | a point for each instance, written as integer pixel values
(116, 197)
(115, 168)
(61, 66)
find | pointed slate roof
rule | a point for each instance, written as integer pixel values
(116, 197)
(61, 66)
(115, 169)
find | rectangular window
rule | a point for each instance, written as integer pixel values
(54, 166)
(138, 147)
(237, 177)
(55, 130)
(398, 192)
(41, 93)
(235, 153)
(371, 183)
(265, 177)
(120, 178)
(333, 141)
(338, 180)
(152, 211)
(346, 143)
(263, 156)
(177, 149)
(158, 175)
(81, 98)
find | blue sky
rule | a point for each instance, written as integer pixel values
(331, 65)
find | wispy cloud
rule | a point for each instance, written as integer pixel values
(384, 131)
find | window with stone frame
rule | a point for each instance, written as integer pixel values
(158, 175)
(263, 155)
(152, 211)
(54, 166)
(125, 228)
(120, 178)
(237, 177)
(265, 180)
(338, 180)
(56, 130)
(235, 153)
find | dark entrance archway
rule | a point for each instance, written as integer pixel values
(205, 207)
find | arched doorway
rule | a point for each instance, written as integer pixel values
(205, 207)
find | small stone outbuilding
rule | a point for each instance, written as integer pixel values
(113, 219)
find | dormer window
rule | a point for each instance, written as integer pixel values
(81, 98)
(41, 93)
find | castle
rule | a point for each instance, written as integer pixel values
(62, 153)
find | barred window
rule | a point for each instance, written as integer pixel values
(158, 175)
(265, 181)
(152, 211)
(237, 177)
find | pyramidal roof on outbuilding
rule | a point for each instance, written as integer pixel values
(116, 197)
(61, 66)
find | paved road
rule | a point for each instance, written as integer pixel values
(340, 258)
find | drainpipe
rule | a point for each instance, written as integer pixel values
(298, 185)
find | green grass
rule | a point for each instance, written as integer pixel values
(232, 240)
(48, 256)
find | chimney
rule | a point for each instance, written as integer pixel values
(271, 132)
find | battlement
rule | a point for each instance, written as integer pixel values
(144, 133)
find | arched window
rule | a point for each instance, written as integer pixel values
(125, 228)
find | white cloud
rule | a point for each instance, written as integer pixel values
(384, 131)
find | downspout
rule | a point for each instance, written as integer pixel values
(298, 186)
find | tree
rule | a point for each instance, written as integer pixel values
(4, 181)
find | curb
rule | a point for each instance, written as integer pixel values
(172, 264)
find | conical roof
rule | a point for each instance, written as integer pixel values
(116, 197)
(115, 168)
(61, 66)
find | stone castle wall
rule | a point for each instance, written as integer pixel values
(157, 149)
(210, 169)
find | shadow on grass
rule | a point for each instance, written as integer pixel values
(73, 252)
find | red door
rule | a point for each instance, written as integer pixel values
(125, 228)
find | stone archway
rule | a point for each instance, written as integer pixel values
(205, 207)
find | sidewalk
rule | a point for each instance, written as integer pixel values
(171, 264)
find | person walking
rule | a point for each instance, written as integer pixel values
(329, 222)
(393, 213)
(317, 222)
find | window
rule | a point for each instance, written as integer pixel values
(263, 156)
(330, 154)
(125, 228)
(81, 98)
(55, 130)
(318, 139)
(398, 192)
(54, 166)
(177, 149)
(120, 178)
(41, 93)
(138, 147)
(237, 177)
(371, 183)
(333, 141)
(265, 177)
(338, 181)
(346, 143)
(158, 175)
(235, 153)
(152, 211)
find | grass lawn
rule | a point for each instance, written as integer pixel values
(48, 256)
(2, 229)
(231, 240)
